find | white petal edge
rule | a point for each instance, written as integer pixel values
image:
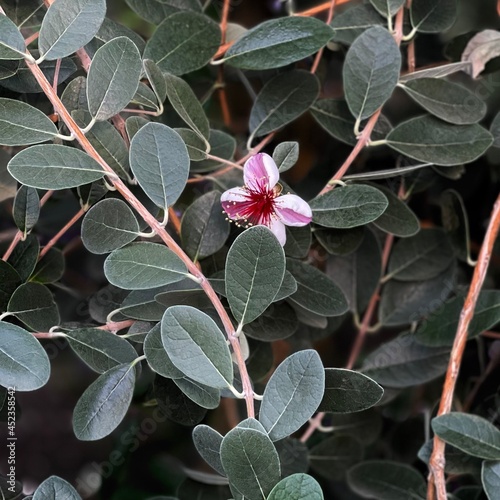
(292, 210)
(278, 229)
(260, 172)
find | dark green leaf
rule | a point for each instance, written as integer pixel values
(294, 456)
(433, 16)
(348, 25)
(260, 360)
(490, 477)
(387, 7)
(54, 167)
(133, 124)
(456, 223)
(297, 487)
(113, 77)
(55, 488)
(34, 305)
(9, 281)
(175, 404)
(156, 79)
(196, 346)
(347, 391)
(251, 462)
(473, 435)
(385, 480)
(437, 71)
(288, 287)
(26, 209)
(23, 362)
(49, 268)
(333, 457)
(141, 304)
(278, 42)
(440, 328)
(371, 71)
(358, 274)
(315, 291)
(404, 302)
(292, 394)
(285, 155)
(155, 11)
(398, 218)
(203, 395)
(403, 362)
(22, 124)
(222, 145)
(104, 403)
(204, 228)
(108, 225)
(183, 42)
(420, 257)
(23, 259)
(298, 241)
(448, 101)
(8, 68)
(110, 29)
(364, 426)
(74, 96)
(340, 241)
(160, 162)
(184, 101)
(143, 265)
(12, 44)
(68, 25)
(428, 139)
(254, 272)
(157, 356)
(208, 442)
(278, 321)
(100, 349)
(348, 206)
(283, 99)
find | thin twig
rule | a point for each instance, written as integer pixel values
(320, 53)
(437, 482)
(223, 23)
(319, 9)
(61, 233)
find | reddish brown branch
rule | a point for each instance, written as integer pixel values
(437, 483)
(317, 59)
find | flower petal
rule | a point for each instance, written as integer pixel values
(292, 210)
(261, 173)
(232, 201)
(278, 229)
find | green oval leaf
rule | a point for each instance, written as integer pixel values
(100, 349)
(316, 292)
(183, 42)
(160, 162)
(371, 71)
(403, 362)
(208, 442)
(157, 357)
(143, 265)
(201, 394)
(348, 206)
(156, 79)
(473, 435)
(428, 139)
(387, 7)
(196, 346)
(50, 268)
(385, 480)
(104, 404)
(283, 99)
(292, 394)
(433, 16)
(54, 167)
(448, 101)
(421, 257)
(108, 225)
(440, 328)
(12, 45)
(490, 477)
(68, 25)
(23, 361)
(22, 124)
(55, 488)
(251, 462)
(204, 229)
(184, 101)
(278, 42)
(155, 11)
(347, 391)
(255, 268)
(26, 209)
(285, 155)
(297, 487)
(23, 259)
(34, 305)
(113, 77)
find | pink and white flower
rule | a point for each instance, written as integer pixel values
(259, 201)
